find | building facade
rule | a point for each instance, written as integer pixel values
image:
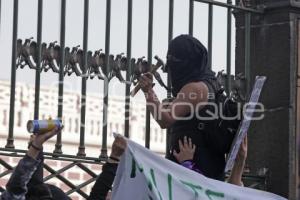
(24, 108)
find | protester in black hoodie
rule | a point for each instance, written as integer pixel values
(194, 85)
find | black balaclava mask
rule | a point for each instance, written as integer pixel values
(187, 62)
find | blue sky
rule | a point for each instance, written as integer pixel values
(74, 33)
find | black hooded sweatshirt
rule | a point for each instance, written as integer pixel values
(186, 63)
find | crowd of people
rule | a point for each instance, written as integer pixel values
(193, 144)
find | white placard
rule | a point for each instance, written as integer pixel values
(244, 126)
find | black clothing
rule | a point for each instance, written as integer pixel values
(46, 191)
(187, 62)
(104, 182)
(208, 159)
(37, 189)
(16, 187)
(37, 176)
(99, 191)
(26, 182)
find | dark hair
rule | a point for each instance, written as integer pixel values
(46, 192)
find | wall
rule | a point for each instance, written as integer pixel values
(272, 141)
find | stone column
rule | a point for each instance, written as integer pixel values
(274, 53)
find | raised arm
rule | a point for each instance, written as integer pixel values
(191, 96)
(104, 181)
(238, 168)
(16, 187)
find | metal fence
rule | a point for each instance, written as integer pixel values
(64, 58)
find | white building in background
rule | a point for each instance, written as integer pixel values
(24, 108)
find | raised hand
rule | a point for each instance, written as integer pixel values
(40, 139)
(118, 147)
(36, 142)
(186, 150)
(146, 81)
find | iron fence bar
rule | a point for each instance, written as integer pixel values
(170, 36)
(6, 172)
(69, 166)
(81, 148)
(66, 181)
(38, 60)
(58, 145)
(191, 17)
(103, 154)
(128, 72)
(6, 165)
(247, 52)
(62, 158)
(52, 156)
(171, 18)
(228, 59)
(81, 186)
(10, 139)
(65, 158)
(221, 4)
(87, 170)
(150, 42)
(210, 34)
